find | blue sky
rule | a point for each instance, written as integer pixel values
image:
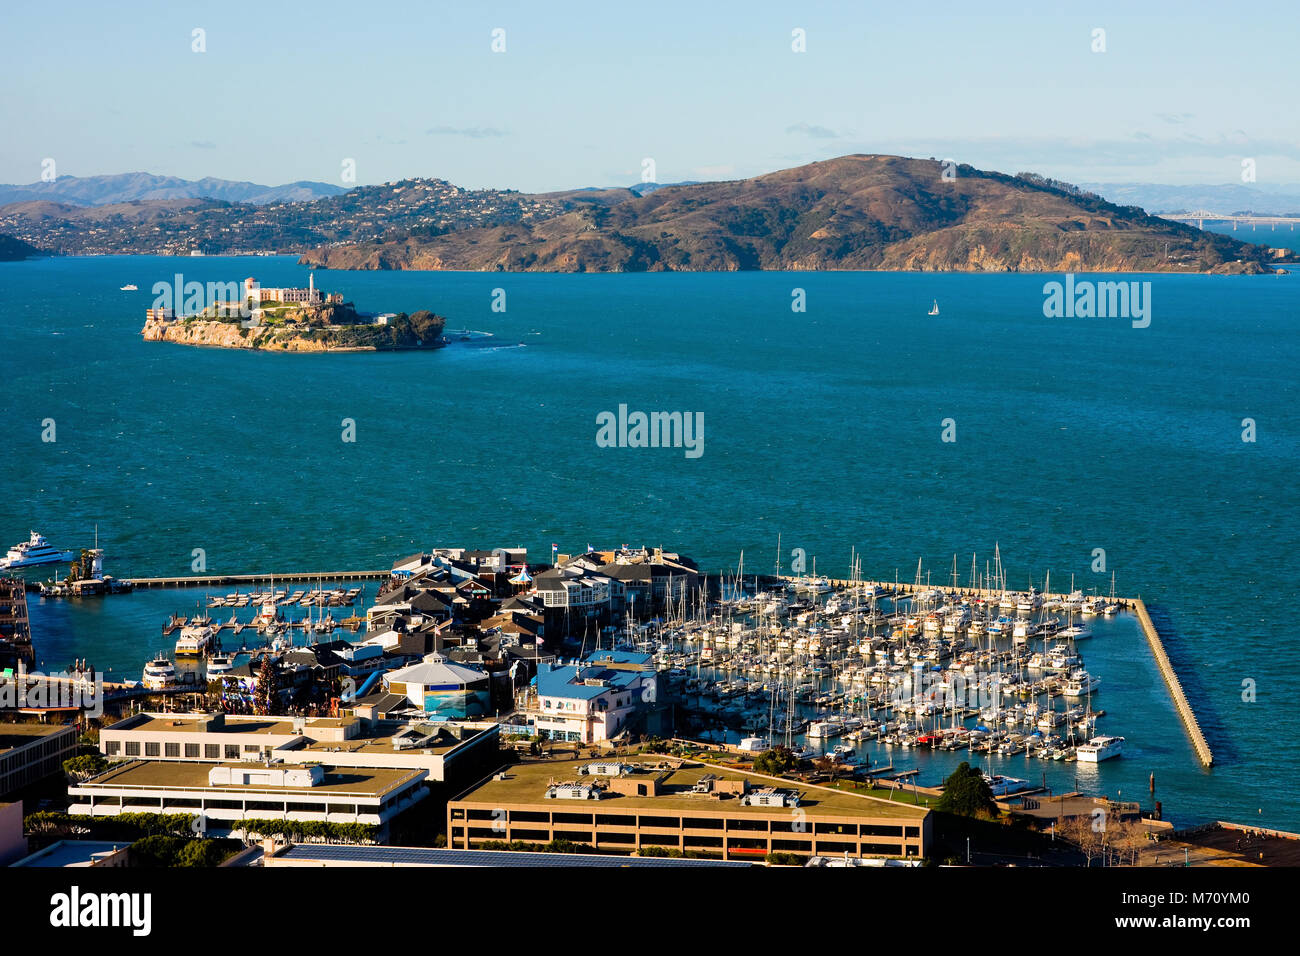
(585, 91)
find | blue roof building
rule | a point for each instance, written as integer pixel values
(594, 699)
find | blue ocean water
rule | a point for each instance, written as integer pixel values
(823, 427)
(1278, 237)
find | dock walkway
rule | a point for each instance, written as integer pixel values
(224, 580)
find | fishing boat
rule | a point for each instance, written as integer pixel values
(1099, 748)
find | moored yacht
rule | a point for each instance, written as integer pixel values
(1099, 748)
(159, 673)
(219, 664)
(35, 550)
(1080, 683)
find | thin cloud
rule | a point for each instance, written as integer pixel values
(469, 132)
(816, 132)
(203, 144)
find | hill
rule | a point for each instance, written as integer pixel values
(412, 207)
(11, 249)
(126, 187)
(854, 212)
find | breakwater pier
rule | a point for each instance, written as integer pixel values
(1181, 704)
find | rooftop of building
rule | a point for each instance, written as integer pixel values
(71, 853)
(427, 856)
(526, 783)
(19, 735)
(583, 681)
(181, 775)
(230, 724)
(435, 669)
(433, 739)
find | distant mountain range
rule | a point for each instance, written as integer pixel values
(412, 207)
(1156, 199)
(129, 187)
(853, 212)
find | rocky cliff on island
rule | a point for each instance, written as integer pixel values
(331, 329)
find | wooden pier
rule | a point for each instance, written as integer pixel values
(226, 580)
(1185, 712)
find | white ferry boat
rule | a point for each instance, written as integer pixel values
(1099, 748)
(35, 550)
(195, 640)
(159, 673)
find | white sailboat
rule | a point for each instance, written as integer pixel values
(934, 309)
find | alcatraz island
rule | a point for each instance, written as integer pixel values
(291, 320)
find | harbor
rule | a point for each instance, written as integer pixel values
(888, 682)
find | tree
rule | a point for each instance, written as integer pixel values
(205, 853)
(157, 850)
(966, 793)
(426, 325)
(265, 699)
(776, 761)
(85, 766)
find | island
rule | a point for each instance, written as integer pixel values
(294, 320)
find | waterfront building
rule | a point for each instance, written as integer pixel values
(596, 699)
(452, 752)
(574, 591)
(31, 752)
(79, 853)
(13, 844)
(226, 794)
(442, 690)
(675, 805)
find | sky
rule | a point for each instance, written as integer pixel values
(584, 93)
